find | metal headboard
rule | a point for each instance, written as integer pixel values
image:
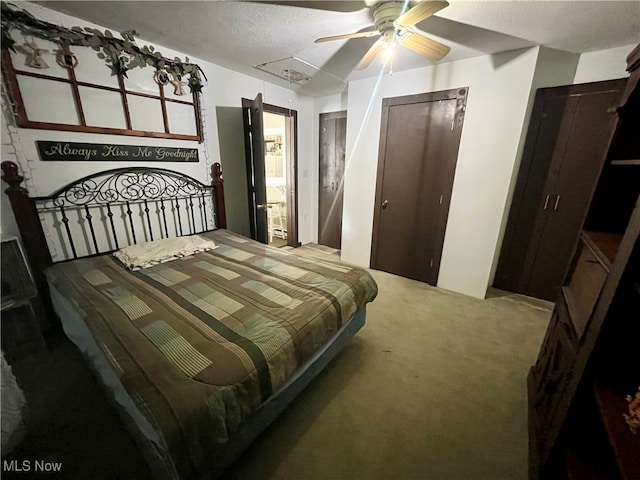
(125, 206)
(145, 199)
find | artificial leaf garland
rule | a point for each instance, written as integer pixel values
(119, 54)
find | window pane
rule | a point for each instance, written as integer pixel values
(56, 106)
(102, 108)
(141, 80)
(146, 113)
(182, 118)
(91, 69)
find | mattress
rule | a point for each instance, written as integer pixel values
(200, 343)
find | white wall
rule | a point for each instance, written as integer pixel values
(225, 88)
(499, 88)
(608, 64)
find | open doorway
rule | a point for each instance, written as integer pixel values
(275, 175)
(270, 141)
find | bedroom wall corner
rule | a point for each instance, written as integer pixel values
(599, 65)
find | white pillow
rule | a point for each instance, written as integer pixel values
(147, 254)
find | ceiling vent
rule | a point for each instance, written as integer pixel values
(303, 76)
(294, 76)
(291, 69)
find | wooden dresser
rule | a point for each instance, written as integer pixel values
(590, 357)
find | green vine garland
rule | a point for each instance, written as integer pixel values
(119, 54)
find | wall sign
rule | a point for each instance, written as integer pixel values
(108, 152)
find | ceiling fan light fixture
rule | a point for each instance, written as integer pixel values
(394, 24)
(388, 51)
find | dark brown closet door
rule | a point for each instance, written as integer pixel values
(333, 137)
(419, 140)
(564, 152)
(578, 159)
(528, 198)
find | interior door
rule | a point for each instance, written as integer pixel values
(419, 140)
(254, 131)
(545, 126)
(563, 154)
(333, 139)
(567, 193)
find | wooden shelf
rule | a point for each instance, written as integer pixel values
(625, 162)
(625, 444)
(590, 271)
(605, 245)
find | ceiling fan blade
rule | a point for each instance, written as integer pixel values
(332, 5)
(473, 37)
(375, 49)
(424, 46)
(370, 33)
(422, 10)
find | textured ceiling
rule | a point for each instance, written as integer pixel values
(240, 35)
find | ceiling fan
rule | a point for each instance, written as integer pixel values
(394, 26)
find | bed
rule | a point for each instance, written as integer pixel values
(200, 352)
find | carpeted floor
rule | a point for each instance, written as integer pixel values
(433, 387)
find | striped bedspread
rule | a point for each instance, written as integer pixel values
(200, 342)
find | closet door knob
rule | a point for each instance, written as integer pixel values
(555, 206)
(546, 202)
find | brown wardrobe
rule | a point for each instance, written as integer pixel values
(563, 155)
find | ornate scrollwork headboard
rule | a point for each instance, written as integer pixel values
(108, 210)
(103, 211)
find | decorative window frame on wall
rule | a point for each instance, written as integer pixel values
(12, 76)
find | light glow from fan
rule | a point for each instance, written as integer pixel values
(388, 51)
(389, 44)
